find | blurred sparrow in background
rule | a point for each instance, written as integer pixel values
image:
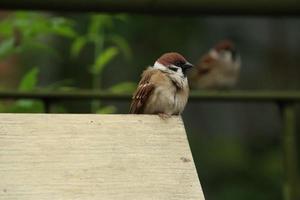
(217, 69)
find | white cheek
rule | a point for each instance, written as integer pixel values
(228, 56)
(166, 69)
(214, 54)
(157, 65)
(178, 72)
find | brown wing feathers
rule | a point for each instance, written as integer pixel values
(142, 93)
(204, 66)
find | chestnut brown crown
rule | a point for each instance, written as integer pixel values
(174, 59)
(171, 58)
(224, 45)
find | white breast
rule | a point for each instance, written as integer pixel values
(167, 99)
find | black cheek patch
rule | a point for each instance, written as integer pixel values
(173, 69)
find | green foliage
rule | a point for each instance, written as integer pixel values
(25, 106)
(107, 110)
(234, 170)
(240, 191)
(100, 33)
(6, 47)
(23, 32)
(36, 24)
(63, 27)
(107, 45)
(29, 81)
(77, 45)
(103, 59)
(122, 44)
(63, 85)
(125, 87)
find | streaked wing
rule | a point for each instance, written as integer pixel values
(205, 64)
(143, 92)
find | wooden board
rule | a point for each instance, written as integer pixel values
(93, 157)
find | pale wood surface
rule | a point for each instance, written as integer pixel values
(95, 157)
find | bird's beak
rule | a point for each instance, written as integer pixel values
(187, 65)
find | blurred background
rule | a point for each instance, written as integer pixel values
(236, 146)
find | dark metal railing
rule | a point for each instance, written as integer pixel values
(253, 96)
(165, 7)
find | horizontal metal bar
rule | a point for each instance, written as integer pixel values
(266, 96)
(55, 96)
(242, 96)
(195, 7)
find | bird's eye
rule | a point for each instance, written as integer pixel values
(179, 63)
(173, 69)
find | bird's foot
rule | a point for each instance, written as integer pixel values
(164, 116)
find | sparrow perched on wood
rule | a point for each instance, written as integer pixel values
(218, 69)
(163, 88)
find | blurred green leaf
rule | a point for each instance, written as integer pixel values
(122, 17)
(29, 81)
(77, 46)
(269, 166)
(6, 28)
(62, 27)
(25, 103)
(103, 59)
(67, 88)
(6, 47)
(122, 44)
(94, 25)
(58, 109)
(26, 106)
(64, 31)
(33, 25)
(234, 155)
(125, 87)
(32, 28)
(2, 107)
(60, 85)
(238, 190)
(98, 23)
(107, 110)
(41, 47)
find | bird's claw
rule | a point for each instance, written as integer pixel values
(164, 116)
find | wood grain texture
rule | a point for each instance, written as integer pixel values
(89, 157)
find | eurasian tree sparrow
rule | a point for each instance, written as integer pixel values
(218, 69)
(163, 88)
